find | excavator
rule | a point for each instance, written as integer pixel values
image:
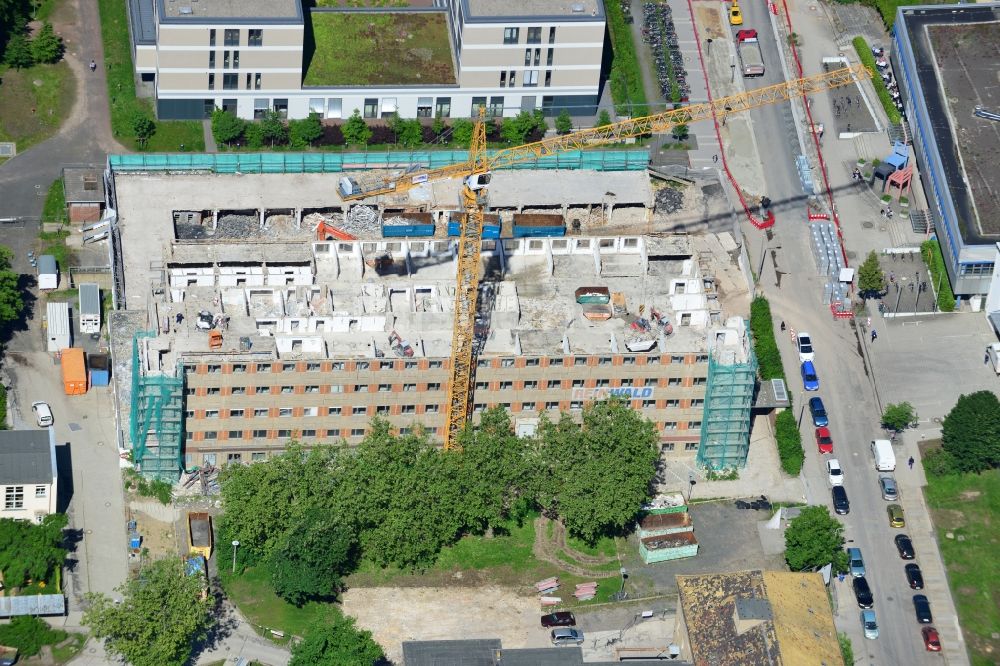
(475, 174)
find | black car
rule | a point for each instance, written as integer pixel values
(840, 502)
(914, 577)
(922, 607)
(863, 593)
(904, 546)
(561, 619)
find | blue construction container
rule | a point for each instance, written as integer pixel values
(416, 224)
(534, 232)
(490, 231)
(100, 369)
(534, 225)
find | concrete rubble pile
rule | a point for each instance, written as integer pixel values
(669, 200)
(237, 226)
(399, 220)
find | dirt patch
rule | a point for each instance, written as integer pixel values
(710, 23)
(949, 519)
(394, 615)
(158, 537)
(970, 495)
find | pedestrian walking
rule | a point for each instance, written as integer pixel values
(715, 158)
(93, 66)
(782, 327)
(910, 462)
(986, 358)
(874, 335)
(882, 213)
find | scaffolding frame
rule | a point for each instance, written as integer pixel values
(725, 426)
(156, 418)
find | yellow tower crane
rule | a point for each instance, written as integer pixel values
(476, 171)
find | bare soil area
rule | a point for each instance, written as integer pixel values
(394, 615)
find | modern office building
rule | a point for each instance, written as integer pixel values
(246, 325)
(945, 74)
(424, 58)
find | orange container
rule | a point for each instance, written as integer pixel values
(74, 371)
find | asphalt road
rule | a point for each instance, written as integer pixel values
(844, 384)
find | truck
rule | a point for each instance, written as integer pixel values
(200, 533)
(885, 459)
(748, 49)
(90, 308)
(8, 655)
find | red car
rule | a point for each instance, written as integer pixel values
(824, 442)
(931, 640)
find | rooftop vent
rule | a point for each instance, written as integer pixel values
(186, 11)
(578, 8)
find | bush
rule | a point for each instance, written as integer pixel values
(931, 252)
(332, 136)
(766, 347)
(226, 127)
(626, 79)
(938, 462)
(28, 634)
(865, 54)
(786, 432)
(305, 132)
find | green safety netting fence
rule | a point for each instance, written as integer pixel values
(599, 160)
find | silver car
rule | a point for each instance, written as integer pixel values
(567, 636)
(888, 486)
(869, 623)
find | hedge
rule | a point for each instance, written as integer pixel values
(868, 60)
(930, 250)
(764, 344)
(786, 432)
(626, 78)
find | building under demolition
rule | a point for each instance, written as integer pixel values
(260, 309)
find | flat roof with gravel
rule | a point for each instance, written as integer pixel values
(241, 10)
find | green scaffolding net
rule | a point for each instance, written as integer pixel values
(725, 425)
(156, 418)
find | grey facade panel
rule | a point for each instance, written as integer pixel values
(181, 109)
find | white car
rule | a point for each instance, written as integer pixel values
(43, 415)
(834, 472)
(805, 345)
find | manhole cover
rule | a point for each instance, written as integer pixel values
(75, 427)
(107, 504)
(100, 443)
(868, 225)
(90, 531)
(852, 255)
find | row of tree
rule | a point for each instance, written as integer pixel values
(22, 50)
(397, 500)
(970, 436)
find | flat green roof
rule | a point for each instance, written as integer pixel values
(359, 49)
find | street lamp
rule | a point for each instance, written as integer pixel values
(709, 42)
(621, 592)
(691, 482)
(236, 544)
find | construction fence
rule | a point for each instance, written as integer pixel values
(598, 160)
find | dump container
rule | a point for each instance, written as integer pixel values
(100, 369)
(200, 533)
(532, 224)
(74, 371)
(491, 226)
(408, 224)
(668, 547)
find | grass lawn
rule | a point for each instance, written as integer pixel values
(969, 506)
(252, 593)
(374, 49)
(54, 243)
(605, 547)
(170, 134)
(55, 203)
(34, 102)
(69, 648)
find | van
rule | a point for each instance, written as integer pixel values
(567, 636)
(885, 459)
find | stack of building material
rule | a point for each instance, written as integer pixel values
(548, 585)
(586, 591)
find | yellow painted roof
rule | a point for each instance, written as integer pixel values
(803, 619)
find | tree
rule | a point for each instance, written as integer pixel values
(497, 471)
(515, 130)
(47, 46)
(598, 474)
(680, 132)
(356, 130)
(11, 295)
(814, 539)
(411, 133)
(871, 279)
(898, 416)
(273, 128)
(142, 125)
(461, 131)
(971, 432)
(336, 642)
(603, 118)
(304, 132)
(28, 634)
(311, 558)
(18, 51)
(226, 127)
(29, 551)
(161, 616)
(253, 134)
(564, 123)
(438, 125)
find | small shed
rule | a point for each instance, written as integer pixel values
(48, 272)
(90, 308)
(57, 330)
(84, 192)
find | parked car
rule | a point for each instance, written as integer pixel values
(810, 380)
(855, 562)
(43, 415)
(931, 639)
(895, 515)
(921, 607)
(888, 486)
(863, 593)
(818, 412)
(841, 505)
(824, 441)
(869, 624)
(914, 577)
(804, 342)
(735, 15)
(560, 619)
(834, 472)
(904, 546)
(567, 636)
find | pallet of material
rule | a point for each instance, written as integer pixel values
(547, 583)
(550, 601)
